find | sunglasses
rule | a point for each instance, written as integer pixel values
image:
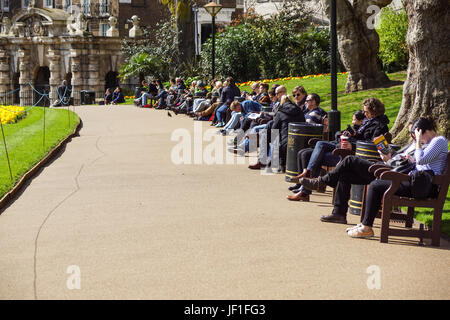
(298, 95)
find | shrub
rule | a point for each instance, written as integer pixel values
(392, 31)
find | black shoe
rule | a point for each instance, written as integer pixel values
(335, 218)
(297, 190)
(281, 169)
(295, 186)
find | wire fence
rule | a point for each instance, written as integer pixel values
(31, 97)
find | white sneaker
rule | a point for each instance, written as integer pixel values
(354, 227)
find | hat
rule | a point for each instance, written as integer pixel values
(200, 84)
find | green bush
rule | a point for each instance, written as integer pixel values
(280, 45)
(392, 31)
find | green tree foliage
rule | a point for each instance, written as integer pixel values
(280, 45)
(156, 54)
(392, 32)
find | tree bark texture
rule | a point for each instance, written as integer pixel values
(426, 89)
(358, 45)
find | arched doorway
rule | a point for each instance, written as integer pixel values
(111, 80)
(16, 88)
(42, 85)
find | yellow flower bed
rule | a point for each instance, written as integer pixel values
(10, 114)
(320, 75)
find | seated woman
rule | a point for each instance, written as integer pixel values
(304, 155)
(375, 125)
(117, 96)
(432, 159)
(108, 97)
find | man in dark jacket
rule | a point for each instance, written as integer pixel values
(288, 112)
(227, 96)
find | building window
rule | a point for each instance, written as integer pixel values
(103, 28)
(104, 7)
(48, 3)
(5, 5)
(25, 4)
(87, 7)
(67, 4)
(239, 3)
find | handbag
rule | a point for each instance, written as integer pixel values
(405, 167)
(421, 184)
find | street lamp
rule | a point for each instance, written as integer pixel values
(334, 116)
(213, 9)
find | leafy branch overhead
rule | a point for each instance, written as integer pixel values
(181, 9)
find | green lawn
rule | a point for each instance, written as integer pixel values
(25, 142)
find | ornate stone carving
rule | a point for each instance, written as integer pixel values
(136, 31)
(6, 26)
(79, 27)
(112, 31)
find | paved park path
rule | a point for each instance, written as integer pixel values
(115, 208)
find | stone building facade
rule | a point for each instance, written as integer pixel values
(43, 42)
(43, 46)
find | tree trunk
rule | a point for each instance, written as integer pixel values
(358, 45)
(426, 89)
(186, 38)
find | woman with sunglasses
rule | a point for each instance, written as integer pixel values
(300, 94)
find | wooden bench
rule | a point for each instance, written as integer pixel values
(391, 200)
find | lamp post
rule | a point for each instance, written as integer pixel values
(213, 9)
(334, 116)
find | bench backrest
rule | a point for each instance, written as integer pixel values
(443, 180)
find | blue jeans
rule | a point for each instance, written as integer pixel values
(246, 143)
(235, 117)
(221, 113)
(322, 155)
(249, 106)
(197, 104)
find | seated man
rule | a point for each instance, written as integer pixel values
(199, 96)
(236, 109)
(162, 95)
(117, 96)
(287, 113)
(375, 125)
(64, 93)
(227, 96)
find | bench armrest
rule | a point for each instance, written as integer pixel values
(312, 142)
(379, 171)
(342, 152)
(395, 178)
(377, 166)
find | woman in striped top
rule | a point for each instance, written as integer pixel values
(432, 158)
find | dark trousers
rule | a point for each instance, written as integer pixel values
(303, 157)
(374, 197)
(351, 170)
(246, 124)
